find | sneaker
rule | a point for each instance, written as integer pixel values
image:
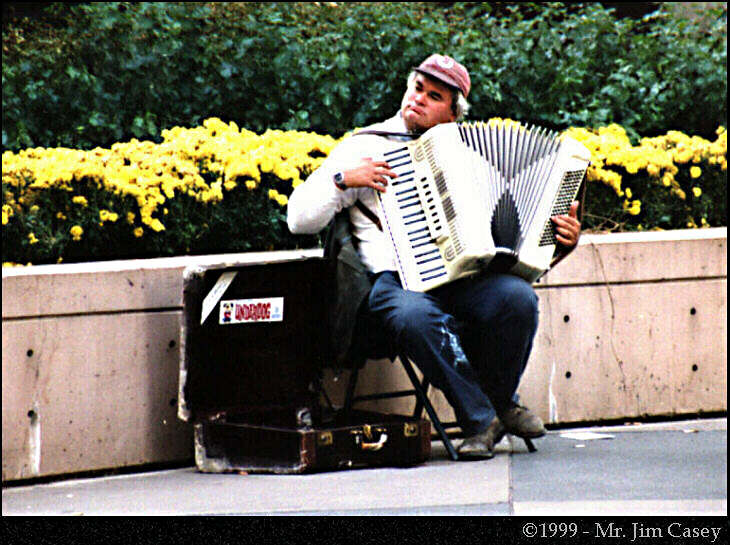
(521, 422)
(481, 445)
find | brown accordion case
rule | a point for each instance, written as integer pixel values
(254, 342)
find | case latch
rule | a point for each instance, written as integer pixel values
(364, 437)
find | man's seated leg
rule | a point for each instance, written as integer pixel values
(500, 317)
(420, 329)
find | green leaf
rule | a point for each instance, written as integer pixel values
(226, 70)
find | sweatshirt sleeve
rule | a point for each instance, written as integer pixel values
(315, 202)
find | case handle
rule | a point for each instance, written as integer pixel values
(372, 446)
(369, 444)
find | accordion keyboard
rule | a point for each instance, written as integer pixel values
(422, 250)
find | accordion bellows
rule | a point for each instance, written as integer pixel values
(478, 196)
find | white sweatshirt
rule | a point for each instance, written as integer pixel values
(315, 202)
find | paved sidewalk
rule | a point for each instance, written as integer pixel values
(677, 468)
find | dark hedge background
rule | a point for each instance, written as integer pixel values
(90, 74)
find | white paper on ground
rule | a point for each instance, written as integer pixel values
(585, 435)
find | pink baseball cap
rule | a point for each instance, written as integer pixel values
(446, 70)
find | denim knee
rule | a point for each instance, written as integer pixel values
(412, 316)
(520, 299)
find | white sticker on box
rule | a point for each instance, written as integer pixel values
(216, 293)
(249, 311)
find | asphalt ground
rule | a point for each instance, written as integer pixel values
(595, 480)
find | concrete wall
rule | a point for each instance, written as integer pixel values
(631, 325)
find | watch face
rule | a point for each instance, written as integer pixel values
(340, 180)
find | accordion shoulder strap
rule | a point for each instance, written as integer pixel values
(369, 214)
(411, 135)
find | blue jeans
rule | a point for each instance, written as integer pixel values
(471, 338)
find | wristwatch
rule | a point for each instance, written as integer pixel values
(339, 180)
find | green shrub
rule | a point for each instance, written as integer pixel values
(112, 71)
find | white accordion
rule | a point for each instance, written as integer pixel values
(478, 196)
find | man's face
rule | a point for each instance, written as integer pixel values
(427, 103)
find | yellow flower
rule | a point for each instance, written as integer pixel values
(32, 238)
(76, 232)
(156, 225)
(138, 232)
(695, 172)
(105, 215)
(628, 193)
(696, 191)
(80, 200)
(130, 218)
(7, 213)
(250, 185)
(633, 208)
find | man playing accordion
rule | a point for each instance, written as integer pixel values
(472, 337)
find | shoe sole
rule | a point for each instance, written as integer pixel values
(535, 435)
(475, 455)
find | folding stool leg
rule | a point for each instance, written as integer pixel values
(423, 399)
(350, 393)
(418, 409)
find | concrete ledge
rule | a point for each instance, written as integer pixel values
(112, 286)
(631, 325)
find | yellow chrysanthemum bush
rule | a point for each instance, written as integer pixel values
(209, 189)
(217, 188)
(672, 181)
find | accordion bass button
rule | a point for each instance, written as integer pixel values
(449, 254)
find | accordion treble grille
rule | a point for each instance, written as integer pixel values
(449, 209)
(450, 214)
(568, 188)
(440, 182)
(438, 174)
(455, 238)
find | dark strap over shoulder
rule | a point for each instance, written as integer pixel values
(369, 214)
(411, 135)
